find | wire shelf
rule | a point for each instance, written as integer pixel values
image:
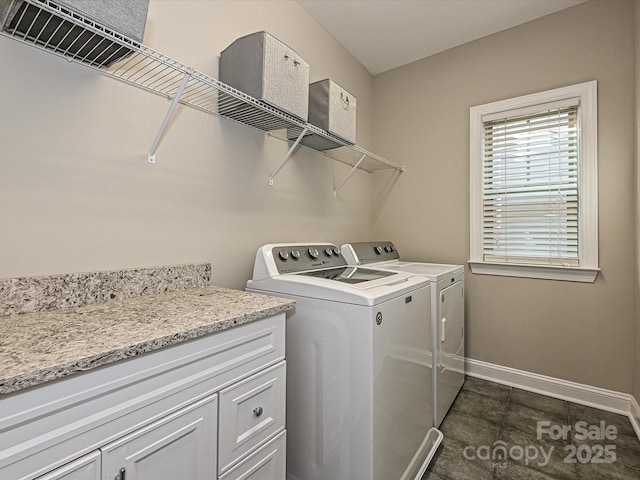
(48, 26)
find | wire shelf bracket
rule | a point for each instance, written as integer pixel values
(151, 156)
(287, 156)
(348, 176)
(46, 25)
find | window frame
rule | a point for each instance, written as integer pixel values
(587, 268)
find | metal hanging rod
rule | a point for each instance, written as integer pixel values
(45, 25)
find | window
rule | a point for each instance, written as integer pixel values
(534, 210)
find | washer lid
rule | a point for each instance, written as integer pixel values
(367, 292)
(352, 275)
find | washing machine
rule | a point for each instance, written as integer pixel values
(447, 315)
(358, 380)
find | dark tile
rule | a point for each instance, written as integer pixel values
(527, 419)
(539, 402)
(540, 454)
(451, 463)
(477, 405)
(594, 416)
(515, 471)
(483, 387)
(473, 424)
(625, 448)
(628, 450)
(613, 471)
(471, 430)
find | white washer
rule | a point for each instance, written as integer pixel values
(447, 315)
(358, 384)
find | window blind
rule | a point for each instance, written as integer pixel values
(530, 185)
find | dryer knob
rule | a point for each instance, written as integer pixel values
(283, 255)
(388, 249)
(336, 251)
(328, 251)
(313, 253)
(377, 249)
(295, 254)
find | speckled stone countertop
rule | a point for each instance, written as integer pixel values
(43, 346)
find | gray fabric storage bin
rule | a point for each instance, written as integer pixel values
(333, 109)
(126, 17)
(265, 68)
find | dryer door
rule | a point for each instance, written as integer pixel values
(450, 349)
(451, 328)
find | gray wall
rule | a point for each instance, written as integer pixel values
(579, 332)
(636, 389)
(77, 194)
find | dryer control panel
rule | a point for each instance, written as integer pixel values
(364, 253)
(299, 258)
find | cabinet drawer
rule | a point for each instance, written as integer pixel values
(269, 462)
(251, 412)
(85, 468)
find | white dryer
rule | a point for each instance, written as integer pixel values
(358, 386)
(447, 314)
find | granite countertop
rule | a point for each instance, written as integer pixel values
(43, 346)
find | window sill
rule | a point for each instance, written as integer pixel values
(569, 274)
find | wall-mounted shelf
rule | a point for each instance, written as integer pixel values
(47, 26)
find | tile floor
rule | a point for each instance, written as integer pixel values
(580, 443)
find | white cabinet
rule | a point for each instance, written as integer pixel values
(269, 462)
(251, 412)
(181, 445)
(168, 414)
(84, 468)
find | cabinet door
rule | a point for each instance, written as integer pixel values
(84, 468)
(180, 446)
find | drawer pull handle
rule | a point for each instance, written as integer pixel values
(121, 474)
(257, 411)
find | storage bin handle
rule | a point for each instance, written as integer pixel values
(345, 100)
(295, 62)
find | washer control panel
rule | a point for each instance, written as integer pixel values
(364, 253)
(299, 258)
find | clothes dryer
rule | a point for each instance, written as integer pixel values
(358, 387)
(447, 315)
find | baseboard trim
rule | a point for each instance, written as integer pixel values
(634, 415)
(604, 399)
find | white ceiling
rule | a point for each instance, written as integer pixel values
(384, 34)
